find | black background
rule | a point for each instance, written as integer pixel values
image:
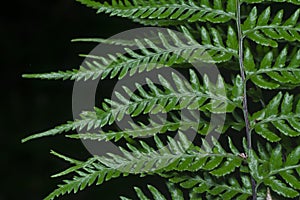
(36, 37)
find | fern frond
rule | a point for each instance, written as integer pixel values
(160, 126)
(121, 42)
(174, 193)
(88, 119)
(65, 158)
(269, 121)
(215, 46)
(169, 50)
(272, 171)
(183, 94)
(207, 97)
(173, 10)
(152, 128)
(179, 155)
(183, 123)
(191, 95)
(252, 38)
(274, 70)
(78, 165)
(86, 177)
(265, 31)
(218, 188)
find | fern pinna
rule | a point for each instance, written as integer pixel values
(258, 155)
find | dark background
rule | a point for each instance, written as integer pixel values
(35, 37)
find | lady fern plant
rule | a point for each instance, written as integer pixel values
(256, 42)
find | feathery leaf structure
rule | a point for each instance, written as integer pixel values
(265, 31)
(275, 70)
(247, 35)
(179, 155)
(214, 188)
(185, 95)
(280, 176)
(174, 10)
(278, 117)
(170, 49)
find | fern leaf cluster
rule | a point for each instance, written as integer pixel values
(171, 12)
(215, 188)
(260, 30)
(275, 70)
(178, 155)
(165, 53)
(269, 122)
(254, 45)
(281, 176)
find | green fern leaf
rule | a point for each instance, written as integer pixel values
(224, 188)
(121, 42)
(154, 127)
(179, 155)
(274, 72)
(166, 52)
(258, 28)
(160, 126)
(171, 11)
(88, 119)
(264, 48)
(78, 165)
(85, 178)
(271, 169)
(268, 121)
(185, 95)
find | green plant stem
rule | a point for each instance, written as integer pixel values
(245, 104)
